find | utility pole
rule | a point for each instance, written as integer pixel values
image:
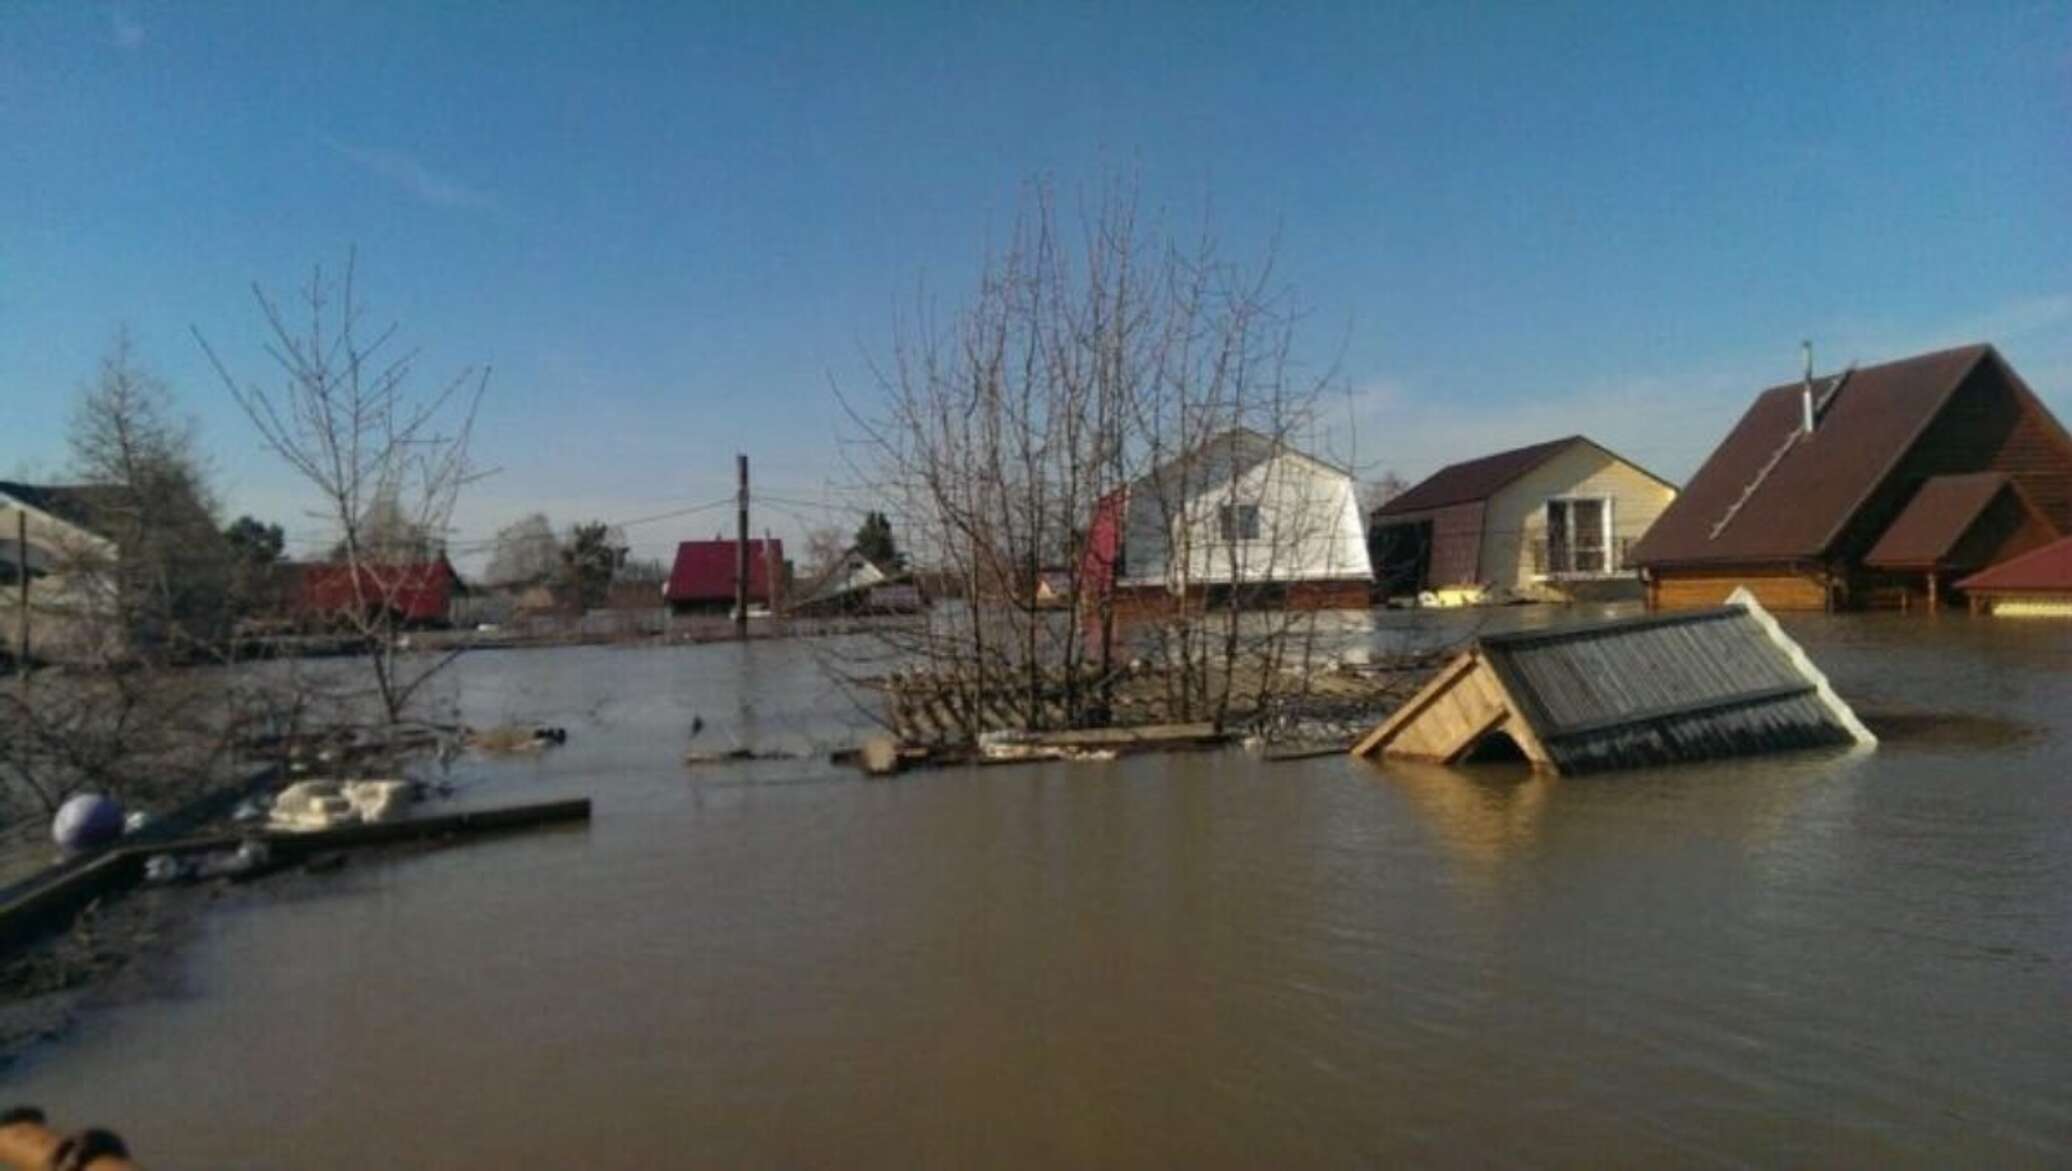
(741, 548)
(21, 571)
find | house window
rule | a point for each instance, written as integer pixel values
(1238, 522)
(13, 563)
(1579, 535)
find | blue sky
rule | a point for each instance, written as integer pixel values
(671, 228)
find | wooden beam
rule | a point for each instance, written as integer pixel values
(42, 906)
(1445, 679)
(1497, 719)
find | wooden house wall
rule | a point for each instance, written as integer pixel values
(1463, 706)
(1456, 545)
(1986, 426)
(2005, 530)
(1777, 587)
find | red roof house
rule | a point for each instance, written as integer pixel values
(2038, 582)
(703, 576)
(417, 594)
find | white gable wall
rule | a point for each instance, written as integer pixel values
(1309, 527)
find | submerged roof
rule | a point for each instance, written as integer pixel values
(1770, 493)
(2045, 570)
(1938, 516)
(704, 570)
(1657, 689)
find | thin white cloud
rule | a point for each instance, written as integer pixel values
(417, 180)
(125, 32)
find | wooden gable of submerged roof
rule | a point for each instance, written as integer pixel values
(1792, 514)
(1657, 689)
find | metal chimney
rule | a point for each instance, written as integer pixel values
(1806, 387)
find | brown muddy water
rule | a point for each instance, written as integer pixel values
(1835, 960)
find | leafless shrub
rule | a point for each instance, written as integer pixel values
(388, 463)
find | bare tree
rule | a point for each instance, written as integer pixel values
(386, 461)
(524, 552)
(130, 580)
(1383, 488)
(1104, 385)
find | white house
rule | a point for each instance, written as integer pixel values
(1241, 510)
(44, 538)
(856, 584)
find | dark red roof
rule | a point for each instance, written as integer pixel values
(1801, 504)
(2048, 569)
(1475, 479)
(417, 592)
(704, 571)
(1938, 516)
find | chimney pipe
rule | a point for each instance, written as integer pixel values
(1806, 387)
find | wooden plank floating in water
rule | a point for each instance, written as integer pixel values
(408, 829)
(46, 904)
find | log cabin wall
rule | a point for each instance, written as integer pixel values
(1776, 587)
(1986, 426)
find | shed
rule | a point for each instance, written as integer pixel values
(1657, 689)
(418, 593)
(855, 584)
(703, 577)
(1808, 483)
(2036, 584)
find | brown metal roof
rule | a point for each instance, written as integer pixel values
(1475, 479)
(2048, 569)
(1802, 500)
(1936, 519)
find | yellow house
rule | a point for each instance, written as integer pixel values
(1549, 522)
(54, 584)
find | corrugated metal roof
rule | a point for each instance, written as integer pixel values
(2045, 570)
(704, 571)
(1816, 485)
(1475, 479)
(1666, 688)
(1938, 516)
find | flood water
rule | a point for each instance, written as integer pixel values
(1203, 961)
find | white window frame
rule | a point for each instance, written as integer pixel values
(1610, 547)
(1230, 526)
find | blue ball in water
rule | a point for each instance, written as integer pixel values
(87, 821)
